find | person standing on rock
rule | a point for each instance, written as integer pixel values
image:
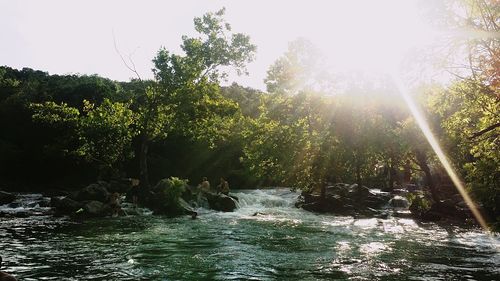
(204, 185)
(223, 187)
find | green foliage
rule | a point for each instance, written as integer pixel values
(301, 68)
(419, 203)
(466, 109)
(106, 133)
(185, 97)
(248, 99)
(102, 134)
(63, 122)
(55, 115)
(170, 191)
(304, 132)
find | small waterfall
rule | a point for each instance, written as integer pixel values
(399, 202)
(266, 198)
(27, 205)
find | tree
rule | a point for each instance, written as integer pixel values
(185, 96)
(106, 133)
(301, 68)
(466, 108)
(99, 135)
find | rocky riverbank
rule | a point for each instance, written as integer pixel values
(100, 200)
(354, 200)
(176, 198)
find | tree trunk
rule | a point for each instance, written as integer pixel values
(422, 162)
(358, 172)
(143, 163)
(390, 177)
(323, 191)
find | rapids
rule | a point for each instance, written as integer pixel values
(266, 238)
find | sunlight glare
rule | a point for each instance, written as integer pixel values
(424, 127)
(378, 39)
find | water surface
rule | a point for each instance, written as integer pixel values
(281, 242)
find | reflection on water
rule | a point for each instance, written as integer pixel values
(279, 243)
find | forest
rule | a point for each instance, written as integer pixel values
(311, 130)
(305, 131)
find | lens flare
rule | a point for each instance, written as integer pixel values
(424, 127)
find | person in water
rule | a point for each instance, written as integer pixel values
(204, 185)
(5, 276)
(223, 187)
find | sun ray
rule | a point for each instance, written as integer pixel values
(424, 127)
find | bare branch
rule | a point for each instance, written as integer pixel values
(131, 68)
(484, 131)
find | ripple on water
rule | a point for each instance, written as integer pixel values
(279, 243)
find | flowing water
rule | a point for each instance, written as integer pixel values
(280, 242)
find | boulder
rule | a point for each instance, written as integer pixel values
(55, 192)
(375, 200)
(346, 199)
(170, 208)
(448, 208)
(221, 202)
(94, 192)
(6, 198)
(20, 214)
(65, 206)
(95, 209)
(187, 209)
(14, 205)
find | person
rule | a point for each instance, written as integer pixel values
(114, 203)
(223, 187)
(204, 185)
(5, 276)
(134, 192)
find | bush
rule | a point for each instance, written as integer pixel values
(169, 192)
(419, 203)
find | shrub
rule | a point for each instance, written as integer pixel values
(169, 191)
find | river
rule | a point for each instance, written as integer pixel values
(281, 242)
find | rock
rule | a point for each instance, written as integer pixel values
(94, 192)
(168, 208)
(65, 206)
(221, 202)
(55, 192)
(374, 201)
(448, 208)
(95, 209)
(14, 205)
(189, 193)
(430, 216)
(6, 198)
(462, 204)
(44, 203)
(20, 214)
(346, 199)
(187, 208)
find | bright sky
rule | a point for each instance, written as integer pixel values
(61, 36)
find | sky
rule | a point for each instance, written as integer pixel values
(63, 37)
